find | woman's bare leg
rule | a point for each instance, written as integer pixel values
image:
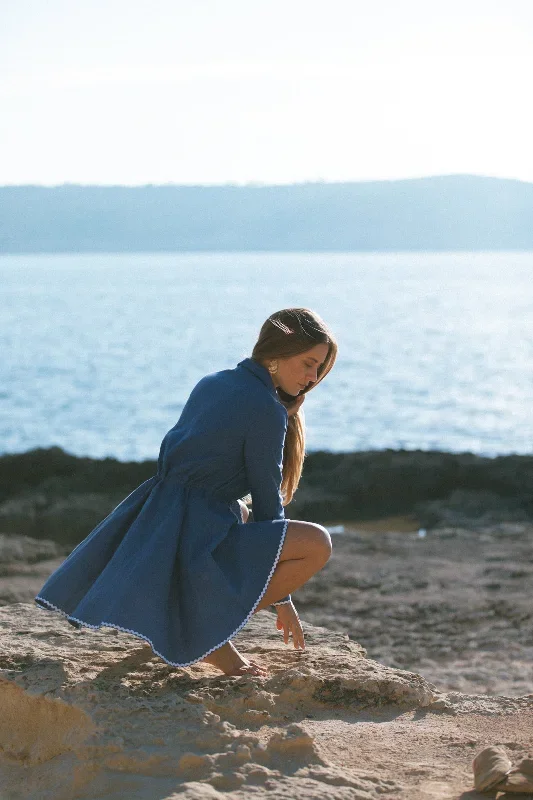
(306, 549)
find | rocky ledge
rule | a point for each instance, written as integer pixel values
(96, 715)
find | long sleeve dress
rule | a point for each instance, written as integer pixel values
(174, 563)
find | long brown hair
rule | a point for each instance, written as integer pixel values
(286, 333)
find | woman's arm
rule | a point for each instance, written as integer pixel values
(263, 460)
(263, 456)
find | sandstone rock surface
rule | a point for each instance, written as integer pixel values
(96, 715)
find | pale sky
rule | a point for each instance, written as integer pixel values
(241, 91)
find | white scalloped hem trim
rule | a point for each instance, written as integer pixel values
(282, 602)
(52, 607)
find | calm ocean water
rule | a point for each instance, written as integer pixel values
(100, 352)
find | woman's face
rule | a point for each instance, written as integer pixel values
(296, 372)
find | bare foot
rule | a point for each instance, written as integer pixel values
(228, 659)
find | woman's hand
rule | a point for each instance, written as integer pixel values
(289, 622)
(294, 405)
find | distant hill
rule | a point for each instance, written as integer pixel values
(449, 212)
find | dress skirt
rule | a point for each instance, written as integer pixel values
(172, 565)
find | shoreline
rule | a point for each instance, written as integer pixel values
(48, 493)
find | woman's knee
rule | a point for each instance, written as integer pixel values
(322, 542)
(305, 539)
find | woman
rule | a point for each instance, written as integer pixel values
(177, 562)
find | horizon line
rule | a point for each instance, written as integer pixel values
(261, 184)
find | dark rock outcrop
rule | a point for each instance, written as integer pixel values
(51, 494)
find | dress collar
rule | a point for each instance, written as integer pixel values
(261, 372)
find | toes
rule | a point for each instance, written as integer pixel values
(249, 668)
(252, 669)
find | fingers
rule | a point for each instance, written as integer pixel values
(297, 634)
(295, 405)
(298, 637)
(288, 621)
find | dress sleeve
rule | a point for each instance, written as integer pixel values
(263, 460)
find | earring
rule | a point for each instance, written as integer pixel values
(273, 367)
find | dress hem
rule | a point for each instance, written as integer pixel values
(51, 606)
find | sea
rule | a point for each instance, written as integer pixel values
(99, 352)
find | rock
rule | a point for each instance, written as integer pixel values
(81, 708)
(471, 509)
(25, 564)
(27, 550)
(95, 714)
(490, 767)
(48, 493)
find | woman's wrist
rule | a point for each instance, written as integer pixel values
(287, 599)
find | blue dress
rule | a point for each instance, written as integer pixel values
(174, 563)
